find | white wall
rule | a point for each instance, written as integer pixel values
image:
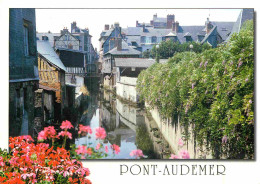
(126, 88)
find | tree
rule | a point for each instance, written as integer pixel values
(168, 48)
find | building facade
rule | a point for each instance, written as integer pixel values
(23, 71)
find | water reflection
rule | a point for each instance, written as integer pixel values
(124, 124)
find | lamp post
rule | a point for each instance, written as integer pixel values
(157, 53)
(191, 47)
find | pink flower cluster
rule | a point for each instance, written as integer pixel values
(100, 133)
(65, 133)
(115, 148)
(84, 129)
(183, 154)
(137, 153)
(66, 125)
(48, 133)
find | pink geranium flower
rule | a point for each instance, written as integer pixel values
(65, 133)
(137, 153)
(81, 150)
(180, 142)
(42, 136)
(100, 133)
(184, 154)
(98, 146)
(174, 156)
(116, 148)
(106, 149)
(84, 129)
(66, 125)
(50, 132)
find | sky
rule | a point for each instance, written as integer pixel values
(55, 20)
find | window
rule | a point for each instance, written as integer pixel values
(188, 39)
(143, 39)
(154, 39)
(26, 40)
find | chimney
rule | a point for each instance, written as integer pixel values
(155, 16)
(106, 26)
(65, 30)
(170, 20)
(73, 26)
(116, 24)
(119, 44)
(175, 26)
(143, 27)
(136, 24)
(209, 26)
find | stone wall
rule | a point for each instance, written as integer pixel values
(21, 107)
(173, 132)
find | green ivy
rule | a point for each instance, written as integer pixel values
(212, 90)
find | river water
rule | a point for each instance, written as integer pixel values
(128, 126)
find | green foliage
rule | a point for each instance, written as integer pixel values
(169, 48)
(212, 90)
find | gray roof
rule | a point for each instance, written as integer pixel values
(245, 14)
(126, 50)
(45, 49)
(49, 35)
(224, 28)
(136, 62)
(207, 35)
(134, 33)
(160, 19)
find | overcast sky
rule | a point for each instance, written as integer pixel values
(56, 19)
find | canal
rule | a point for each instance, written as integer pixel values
(126, 125)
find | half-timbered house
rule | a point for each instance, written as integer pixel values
(67, 41)
(52, 78)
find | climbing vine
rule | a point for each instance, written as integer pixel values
(212, 90)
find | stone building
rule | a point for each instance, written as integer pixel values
(23, 71)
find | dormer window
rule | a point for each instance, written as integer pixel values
(188, 37)
(223, 29)
(200, 37)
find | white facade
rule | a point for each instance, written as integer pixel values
(126, 88)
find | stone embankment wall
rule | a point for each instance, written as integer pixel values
(173, 132)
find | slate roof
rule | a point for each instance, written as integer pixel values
(245, 14)
(136, 62)
(126, 50)
(207, 35)
(135, 33)
(224, 28)
(160, 19)
(46, 50)
(49, 35)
